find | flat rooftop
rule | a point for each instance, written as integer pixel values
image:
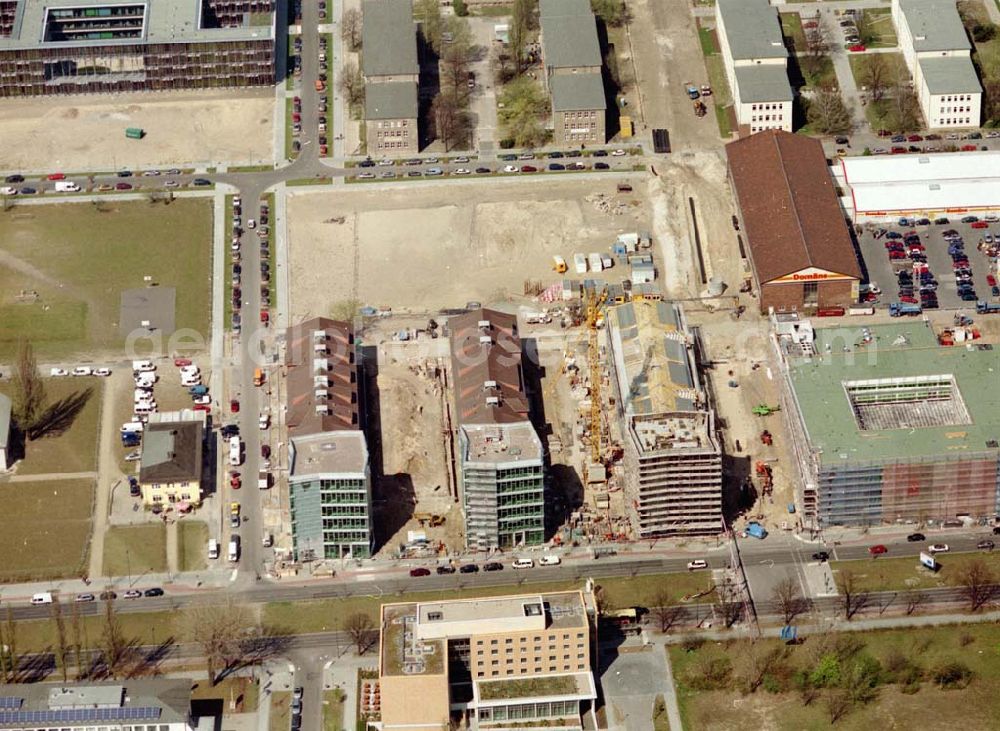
(163, 21)
(329, 453)
(898, 396)
(934, 25)
(753, 29)
(564, 609)
(501, 443)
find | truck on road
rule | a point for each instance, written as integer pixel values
(234, 548)
(899, 309)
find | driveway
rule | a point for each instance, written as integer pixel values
(483, 100)
(631, 683)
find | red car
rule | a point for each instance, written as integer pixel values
(908, 299)
(123, 186)
(980, 224)
(234, 406)
(896, 254)
(857, 48)
(57, 176)
(898, 150)
(991, 280)
(202, 407)
(235, 481)
(529, 169)
(968, 148)
(914, 138)
(180, 362)
(878, 550)
(264, 316)
(420, 572)
(296, 117)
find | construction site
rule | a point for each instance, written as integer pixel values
(891, 423)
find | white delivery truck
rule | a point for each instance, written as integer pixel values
(67, 186)
(234, 548)
(141, 366)
(264, 479)
(213, 548)
(595, 262)
(235, 451)
(44, 597)
(580, 263)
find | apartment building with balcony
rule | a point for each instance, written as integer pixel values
(756, 62)
(938, 53)
(80, 46)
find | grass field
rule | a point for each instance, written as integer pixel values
(134, 550)
(906, 573)
(73, 449)
(46, 529)
(192, 545)
(79, 257)
(289, 108)
(791, 29)
(825, 76)
(896, 71)
(281, 711)
(707, 39)
(333, 710)
(776, 705)
(883, 31)
(323, 615)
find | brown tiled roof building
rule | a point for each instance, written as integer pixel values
(797, 237)
(322, 377)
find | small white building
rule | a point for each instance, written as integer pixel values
(938, 54)
(887, 187)
(756, 62)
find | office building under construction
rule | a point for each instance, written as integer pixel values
(80, 46)
(887, 425)
(673, 457)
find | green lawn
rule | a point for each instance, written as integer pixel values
(46, 529)
(896, 71)
(906, 573)
(776, 705)
(707, 39)
(884, 32)
(227, 278)
(273, 284)
(289, 153)
(79, 257)
(791, 29)
(281, 710)
(134, 550)
(333, 710)
(71, 449)
(192, 545)
(330, 76)
(824, 77)
(324, 615)
(717, 80)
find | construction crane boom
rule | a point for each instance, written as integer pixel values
(595, 309)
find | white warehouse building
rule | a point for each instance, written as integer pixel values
(882, 188)
(756, 61)
(938, 54)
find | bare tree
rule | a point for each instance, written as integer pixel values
(978, 584)
(502, 64)
(875, 75)
(907, 108)
(351, 84)
(455, 56)
(853, 598)
(4, 667)
(350, 28)
(866, 28)
(29, 390)
(787, 599)
(361, 629)
(428, 14)
(13, 659)
(729, 601)
(815, 55)
(77, 641)
(218, 630)
(838, 703)
(754, 661)
(827, 113)
(451, 120)
(913, 599)
(114, 644)
(522, 22)
(666, 614)
(62, 648)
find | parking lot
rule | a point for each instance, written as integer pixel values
(882, 271)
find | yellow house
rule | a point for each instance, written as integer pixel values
(171, 464)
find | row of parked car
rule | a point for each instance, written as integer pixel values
(471, 568)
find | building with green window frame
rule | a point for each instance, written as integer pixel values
(331, 497)
(502, 468)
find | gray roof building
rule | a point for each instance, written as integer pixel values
(950, 75)
(764, 83)
(388, 38)
(577, 92)
(171, 452)
(163, 21)
(753, 29)
(556, 8)
(570, 40)
(391, 100)
(934, 25)
(166, 703)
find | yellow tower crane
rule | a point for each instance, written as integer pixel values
(595, 310)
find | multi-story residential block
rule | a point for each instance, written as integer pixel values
(498, 662)
(571, 57)
(756, 61)
(938, 54)
(392, 76)
(501, 458)
(76, 46)
(171, 465)
(136, 705)
(888, 426)
(329, 475)
(673, 457)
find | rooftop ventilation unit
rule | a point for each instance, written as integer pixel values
(492, 400)
(320, 394)
(321, 381)
(484, 325)
(319, 334)
(322, 409)
(485, 340)
(487, 385)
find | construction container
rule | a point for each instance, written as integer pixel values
(135, 133)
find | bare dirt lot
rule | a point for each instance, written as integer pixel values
(428, 248)
(87, 133)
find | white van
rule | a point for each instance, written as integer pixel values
(596, 265)
(44, 597)
(549, 560)
(132, 426)
(523, 563)
(234, 548)
(141, 366)
(67, 186)
(213, 548)
(235, 451)
(145, 408)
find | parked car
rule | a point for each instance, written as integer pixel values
(84, 598)
(916, 538)
(877, 550)
(697, 564)
(469, 568)
(493, 566)
(985, 545)
(420, 571)
(821, 556)
(938, 548)
(441, 570)
(133, 594)
(155, 591)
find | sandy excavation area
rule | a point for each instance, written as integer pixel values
(87, 132)
(427, 248)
